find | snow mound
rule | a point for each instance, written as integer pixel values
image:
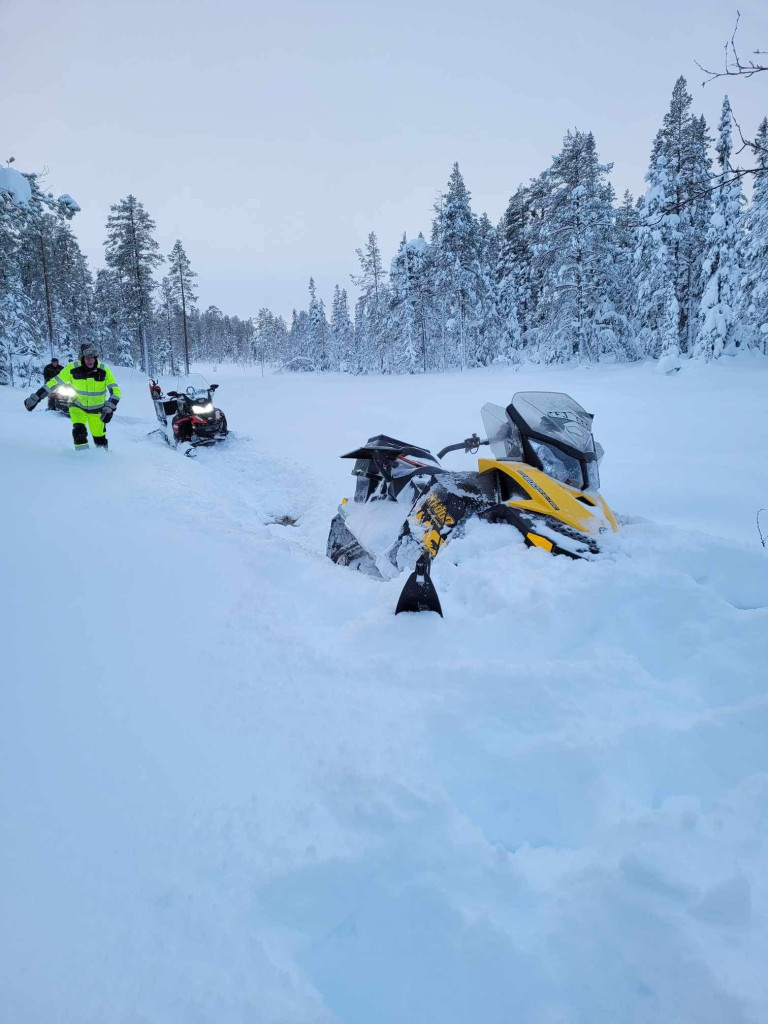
(669, 363)
(237, 788)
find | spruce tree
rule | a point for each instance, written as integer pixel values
(515, 294)
(718, 329)
(269, 339)
(73, 288)
(622, 289)
(27, 327)
(362, 362)
(489, 329)
(113, 333)
(133, 254)
(699, 199)
(674, 214)
(677, 138)
(753, 306)
(405, 322)
(169, 315)
(37, 267)
(342, 332)
(657, 333)
(212, 340)
(371, 339)
(318, 330)
(573, 252)
(458, 277)
(299, 345)
(181, 278)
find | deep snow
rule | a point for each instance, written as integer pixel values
(235, 788)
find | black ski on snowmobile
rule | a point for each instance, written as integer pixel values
(188, 415)
(543, 480)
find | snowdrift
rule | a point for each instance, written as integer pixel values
(235, 788)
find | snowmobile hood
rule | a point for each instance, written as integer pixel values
(553, 508)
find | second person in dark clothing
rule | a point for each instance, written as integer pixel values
(49, 371)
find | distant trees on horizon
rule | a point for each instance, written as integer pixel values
(568, 273)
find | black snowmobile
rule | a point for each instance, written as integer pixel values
(543, 480)
(188, 416)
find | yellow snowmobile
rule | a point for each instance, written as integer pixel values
(543, 480)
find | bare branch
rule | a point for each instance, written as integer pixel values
(756, 147)
(734, 67)
(704, 189)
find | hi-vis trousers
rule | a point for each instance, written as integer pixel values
(94, 422)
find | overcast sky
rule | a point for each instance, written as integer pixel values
(271, 138)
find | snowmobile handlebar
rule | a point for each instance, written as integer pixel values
(177, 394)
(469, 444)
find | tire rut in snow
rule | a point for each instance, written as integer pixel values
(251, 488)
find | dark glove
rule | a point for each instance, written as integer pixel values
(31, 402)
(109, 410)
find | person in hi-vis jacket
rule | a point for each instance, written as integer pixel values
(96, 396)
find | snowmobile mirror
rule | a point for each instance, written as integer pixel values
(214, 386)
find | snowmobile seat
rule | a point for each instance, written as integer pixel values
(394, 463)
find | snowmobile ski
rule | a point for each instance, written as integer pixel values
(419, 594)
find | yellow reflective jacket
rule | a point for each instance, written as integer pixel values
(90, 386)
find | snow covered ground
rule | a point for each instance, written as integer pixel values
(237, 789)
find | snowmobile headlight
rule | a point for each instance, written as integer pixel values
(557, 464)
(65, 391)
(199, 409)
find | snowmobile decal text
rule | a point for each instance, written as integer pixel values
(433, 513)
(537, 488)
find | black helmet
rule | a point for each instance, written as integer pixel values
(88, 349)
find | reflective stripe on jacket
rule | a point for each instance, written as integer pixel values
(92, 387)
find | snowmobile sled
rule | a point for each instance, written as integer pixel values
(188, 417)
(543, 481)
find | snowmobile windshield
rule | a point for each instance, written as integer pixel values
(193, 385)
(557, 416)
(503, 436)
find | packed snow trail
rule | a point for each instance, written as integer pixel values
(237, 789)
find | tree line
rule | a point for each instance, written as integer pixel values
(568, 273)
(51, 303)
